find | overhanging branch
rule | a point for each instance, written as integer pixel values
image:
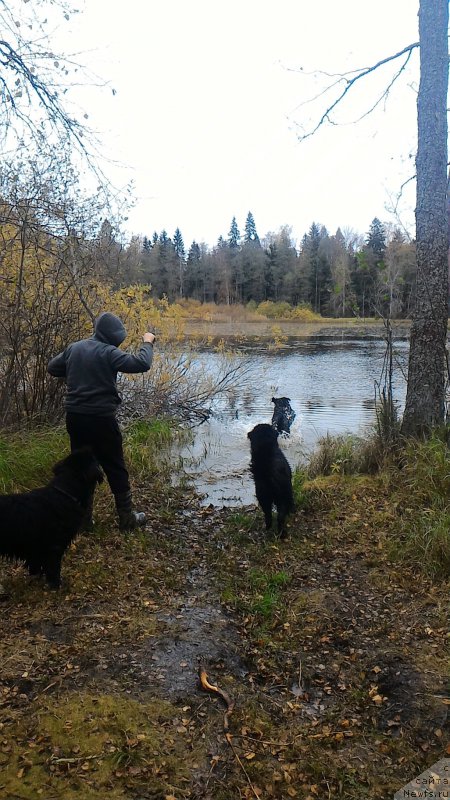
(351, 81)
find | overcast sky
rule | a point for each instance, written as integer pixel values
(211, 98)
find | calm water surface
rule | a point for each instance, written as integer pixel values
(331, 386)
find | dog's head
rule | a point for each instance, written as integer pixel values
(81, 464)
(282, 402)
(262, 436)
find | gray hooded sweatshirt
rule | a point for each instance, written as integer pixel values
(90, 367)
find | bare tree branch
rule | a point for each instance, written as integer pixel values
(36, 84)
(350, 83)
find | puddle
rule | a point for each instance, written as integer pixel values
(197, 633)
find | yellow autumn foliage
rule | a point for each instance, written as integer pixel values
(50, 294)
(140, 312)
(51, 290)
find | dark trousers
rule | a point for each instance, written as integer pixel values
(103, 434)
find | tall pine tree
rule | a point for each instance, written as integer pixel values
(180, 253)
(234, 236)
(250, 233)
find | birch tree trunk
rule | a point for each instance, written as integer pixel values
(425, 397)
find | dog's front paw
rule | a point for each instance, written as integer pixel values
(54, 583)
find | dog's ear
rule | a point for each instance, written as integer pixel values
(83, 463)
(75, 460)
(274, 400)
(91, 469)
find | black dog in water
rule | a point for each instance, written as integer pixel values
(37, 527)
(283, 414)
(272, 475)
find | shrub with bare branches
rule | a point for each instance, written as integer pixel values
(181, 387)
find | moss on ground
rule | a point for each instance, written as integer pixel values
(81, 745)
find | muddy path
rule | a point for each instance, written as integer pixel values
(335, 660)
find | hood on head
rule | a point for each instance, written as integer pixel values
(109, 328)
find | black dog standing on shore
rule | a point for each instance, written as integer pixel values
(272, 475)
(283, 414)
(38, 526)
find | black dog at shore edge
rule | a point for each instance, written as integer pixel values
(272, 475)
(38, 526)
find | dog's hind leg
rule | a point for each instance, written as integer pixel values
(51, 567)
(282, 513)
(266, 506)
(268, 518)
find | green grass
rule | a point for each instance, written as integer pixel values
(257, 592)
(417, 477)
(301, 497)
(268, 590)
(240, 525)
(147, 445)
(345, 455)
(26, 458)
(422, 494)
(242, 520)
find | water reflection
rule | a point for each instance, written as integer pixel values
(331, 386)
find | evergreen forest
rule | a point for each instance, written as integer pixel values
(343, 274)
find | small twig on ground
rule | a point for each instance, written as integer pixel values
(74, 759)
(50, 686)
(209, 687)
(249, 781)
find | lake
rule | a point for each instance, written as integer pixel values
(330, 382)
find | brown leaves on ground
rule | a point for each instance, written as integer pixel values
(333, 656)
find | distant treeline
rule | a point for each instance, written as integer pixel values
(62, 263)
(338, 275)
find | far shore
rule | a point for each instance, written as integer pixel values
(271, 328)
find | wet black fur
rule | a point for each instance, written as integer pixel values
(38, 526)
(272, 475)
(283, 414)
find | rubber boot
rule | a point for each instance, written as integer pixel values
(129, 519)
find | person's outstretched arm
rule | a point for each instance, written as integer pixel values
(139, 362)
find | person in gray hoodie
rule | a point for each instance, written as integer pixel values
(90, 367)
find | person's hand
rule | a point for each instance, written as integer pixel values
(149, 337)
